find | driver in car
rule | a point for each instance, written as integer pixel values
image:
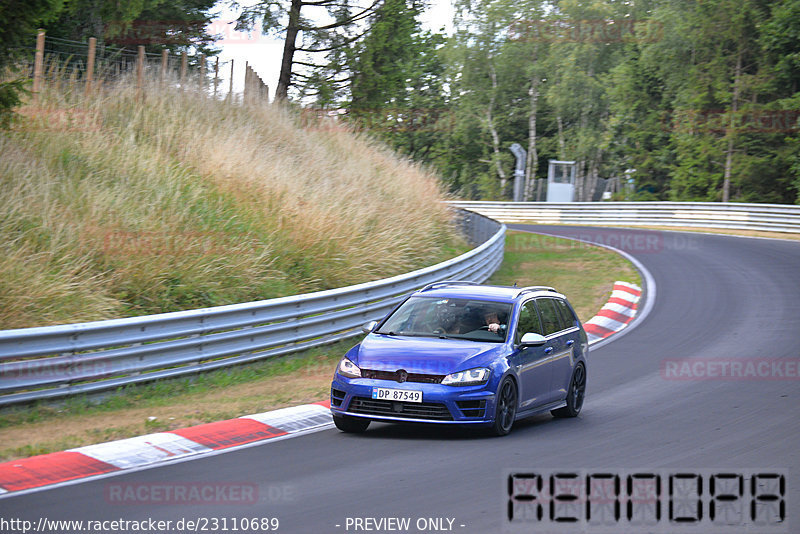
(492, 320)
(460, 319)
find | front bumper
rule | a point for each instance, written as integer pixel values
(440, 404)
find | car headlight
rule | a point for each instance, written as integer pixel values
(470, 377)
(349, 369)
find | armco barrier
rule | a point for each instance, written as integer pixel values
(763, 217)
(54, 361)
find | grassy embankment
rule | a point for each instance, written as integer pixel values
(112, 206)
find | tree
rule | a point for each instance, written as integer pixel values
(710, 63)
(81, 19)
(176, 26)
(382, 61)
(20, 20)
(485, 89)
(639, 123)
(690, 99)
(397, 89)
(780, 39)
(275, 16)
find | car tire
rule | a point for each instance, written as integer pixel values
(353, 425)
(505, 407)
(575, 394)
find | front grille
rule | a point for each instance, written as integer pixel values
(337, 397)
(409, 410)
(475, 408)
(392, 375)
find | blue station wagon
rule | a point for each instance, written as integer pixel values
(468, 354)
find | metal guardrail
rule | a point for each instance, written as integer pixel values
(764, 217)
(54, 361)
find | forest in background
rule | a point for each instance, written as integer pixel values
(668, 99)
(679, 99)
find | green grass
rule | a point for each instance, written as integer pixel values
(177, 201)
(165, 392)
(584, 273)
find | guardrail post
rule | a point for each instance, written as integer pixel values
(519, 171)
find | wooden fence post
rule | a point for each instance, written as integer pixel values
(216, 76)
(246, 90)
(183, 69)
(140, 72)
(230, 85)
(90, 65)
(164, 61)
(202, 80)
(38, 65)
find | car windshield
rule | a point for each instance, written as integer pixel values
(459, 318)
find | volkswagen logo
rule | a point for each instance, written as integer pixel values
(402, 375)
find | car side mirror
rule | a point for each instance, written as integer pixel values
(532, 340)
(369, 327)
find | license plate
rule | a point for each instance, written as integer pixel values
(406, 395)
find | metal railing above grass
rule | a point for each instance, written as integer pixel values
(737, 216)
(54, 361)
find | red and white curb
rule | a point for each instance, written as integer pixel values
(142, 451)
(615, 314)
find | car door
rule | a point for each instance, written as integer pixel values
(529, 362)
(563, 336)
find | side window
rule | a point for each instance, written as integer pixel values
(528, 321)
(551, 322)
(568, 318)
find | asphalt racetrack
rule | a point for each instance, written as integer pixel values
(706, 383)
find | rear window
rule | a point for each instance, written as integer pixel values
(551, 320)
(567, 317)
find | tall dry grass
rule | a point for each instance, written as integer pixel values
(114, 205)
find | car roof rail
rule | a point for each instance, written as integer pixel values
(531, 289)
(446, 283)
